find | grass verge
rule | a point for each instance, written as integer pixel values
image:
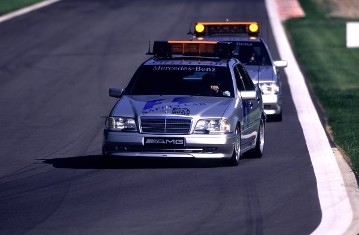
(319, 43)
(7, 6)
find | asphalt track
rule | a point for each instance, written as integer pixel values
(56, 66)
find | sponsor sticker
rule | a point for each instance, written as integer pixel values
(246, 44)
(181, 111)
(178, 105)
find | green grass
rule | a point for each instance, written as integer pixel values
(332, 70)
(7, 6)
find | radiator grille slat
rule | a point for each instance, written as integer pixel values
(164, 125)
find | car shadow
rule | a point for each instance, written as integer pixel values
(99, 162)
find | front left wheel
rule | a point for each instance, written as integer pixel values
(236, 156)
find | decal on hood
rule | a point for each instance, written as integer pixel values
(179, 105)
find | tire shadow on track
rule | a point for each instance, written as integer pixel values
(99, 162)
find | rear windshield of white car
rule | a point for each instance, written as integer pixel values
(252, 53)
(181, 80)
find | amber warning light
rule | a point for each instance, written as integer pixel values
(211, 28)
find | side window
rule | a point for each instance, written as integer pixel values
(265, 53)
(247, 81)
(239, 79)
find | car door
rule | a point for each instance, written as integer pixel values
(251, 107)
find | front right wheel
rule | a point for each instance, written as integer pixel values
(258, 149)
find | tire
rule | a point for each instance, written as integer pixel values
(259, 148)
(236, 156)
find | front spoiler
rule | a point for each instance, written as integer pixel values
(196, 145)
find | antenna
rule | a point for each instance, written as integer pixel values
(190, 29)
(268, 39)
(258, 71)
(267, 31)
(149, 48)
(259, 64)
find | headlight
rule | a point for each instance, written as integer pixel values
(212, 125)
(121, 124)
(269, 88)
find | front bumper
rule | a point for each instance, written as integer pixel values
(195, 145)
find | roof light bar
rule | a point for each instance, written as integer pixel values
(193, 48)
(212, 28)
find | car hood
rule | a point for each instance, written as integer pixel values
(261, 73)
(132, 106)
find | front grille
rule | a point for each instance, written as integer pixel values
(165, 125)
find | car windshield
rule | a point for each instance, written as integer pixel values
(252, 53)
(181, 80)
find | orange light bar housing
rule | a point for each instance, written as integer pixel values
(193, 48)
(220, 28)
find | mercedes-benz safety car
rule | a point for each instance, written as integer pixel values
(190, 99)
(253, 52)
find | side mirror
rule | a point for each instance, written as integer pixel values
(115, 92)
(280, 63)
(248, 95)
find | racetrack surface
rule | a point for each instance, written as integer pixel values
(56, 66)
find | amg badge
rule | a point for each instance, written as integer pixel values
(164, 141)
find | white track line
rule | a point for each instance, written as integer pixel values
(26, 10)
(337, 213)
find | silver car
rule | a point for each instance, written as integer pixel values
(191, 99)
(254, 54)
